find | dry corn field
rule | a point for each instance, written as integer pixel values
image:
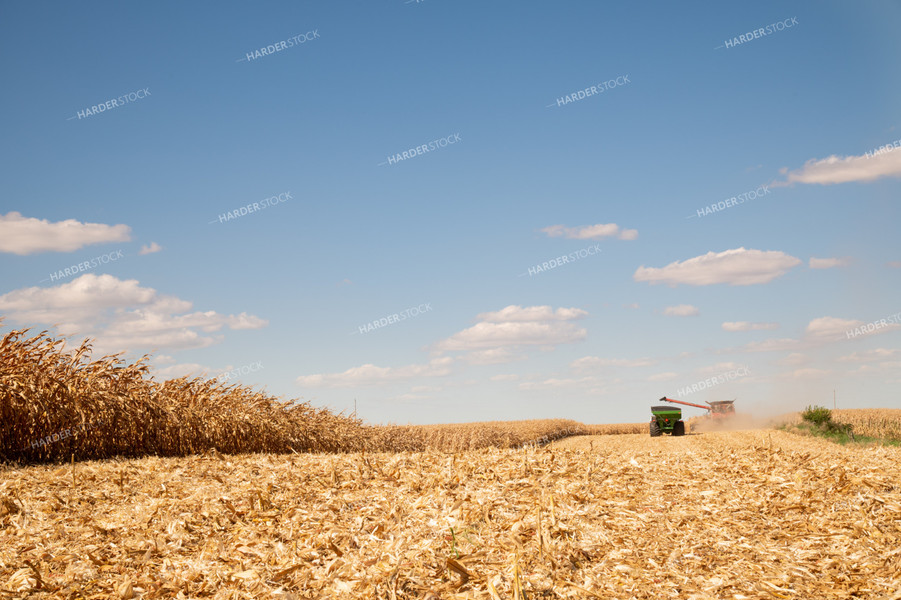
(754, 514)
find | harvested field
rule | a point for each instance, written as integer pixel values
(752, 514)
(456, 437)
(617, 428)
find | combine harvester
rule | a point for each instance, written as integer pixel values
(668, 419)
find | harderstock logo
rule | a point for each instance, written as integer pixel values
(593, 90)
(562, 260)
(111, 104)
(722, 205)
(715, 380)
(87, 265)
(422, 149)
(270, 49)
(253, 207)
(874, 326)
(759, 33)
(408, 313)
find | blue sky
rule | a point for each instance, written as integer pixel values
(776, 300)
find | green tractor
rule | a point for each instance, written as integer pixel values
(666, 419)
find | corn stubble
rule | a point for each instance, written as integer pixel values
(56, 405)
(749, 514)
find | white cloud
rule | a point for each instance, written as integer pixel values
(682, 310)
(830, 327)
(492, 356)
(423, 389)
(27, 235)
(844, 169)
(505, 377)
(634, 305)
(78, 300)
(593, 362)
(746, 326)
(554, 383)
(669, 375)
(371, 375)
(516, 326)
(496, 335)
(245, 321)
(591, 232)
(735, 267)
(180, 370)
(823, 330)
(794, 359)
(828, 263)
(773, 345)
(120, 314)
(874, 355)
(408, 398)
(518, 314)
(895, 264)
(808, 373)
(722, 367)
(153, 247)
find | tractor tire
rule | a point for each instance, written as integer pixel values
(678, 428)
(655, 428)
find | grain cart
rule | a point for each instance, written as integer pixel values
(666, 419)
(720, 409)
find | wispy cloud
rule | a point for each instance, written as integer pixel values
(828, 263)
(150, 249)
(591, 232)
(746, 326)
(844, 169)
(875, 355)
(371, 375)
(682, 310)
(734, 267)
(593, 362)
(667, 376)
